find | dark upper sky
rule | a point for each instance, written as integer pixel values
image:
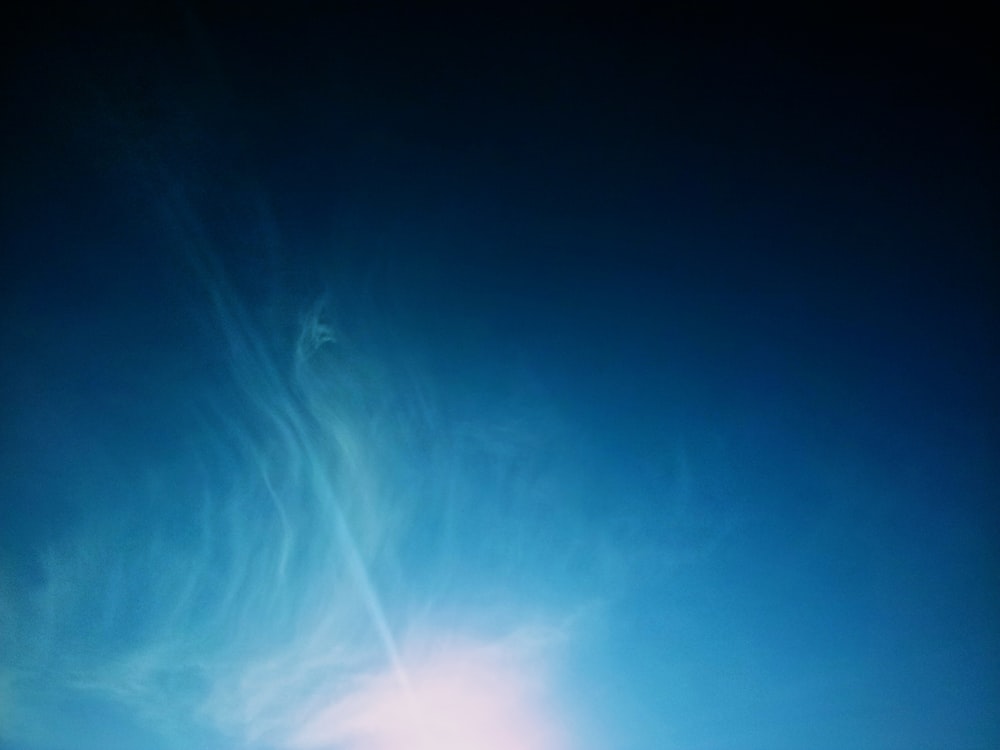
(769, 240)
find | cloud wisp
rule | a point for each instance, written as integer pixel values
(277, 596)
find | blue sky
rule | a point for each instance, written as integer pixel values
(625, 381)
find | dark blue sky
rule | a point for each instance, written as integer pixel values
(742, 267)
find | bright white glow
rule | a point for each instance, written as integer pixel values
(466, 697)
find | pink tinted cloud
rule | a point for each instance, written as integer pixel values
(461, 697)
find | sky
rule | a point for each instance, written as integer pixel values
(381, 379)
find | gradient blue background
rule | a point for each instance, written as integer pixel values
(750, 262)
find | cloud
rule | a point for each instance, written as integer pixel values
(263, 603)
